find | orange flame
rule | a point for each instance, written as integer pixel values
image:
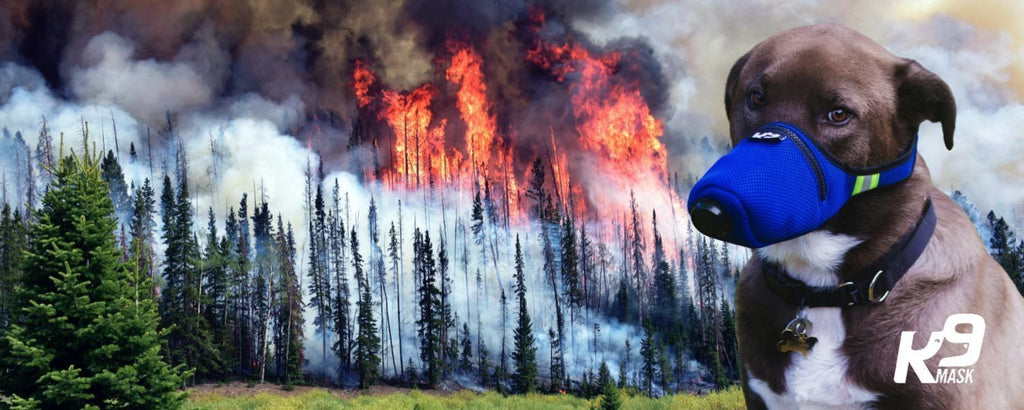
(481, 127)
(408, 114)
(613, 146)
(612, 118)
(362, 80)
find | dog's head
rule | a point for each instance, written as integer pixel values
(817, 114)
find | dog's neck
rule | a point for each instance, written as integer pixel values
(812, 258)
(863, 230)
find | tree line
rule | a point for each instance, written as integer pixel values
(230, 304)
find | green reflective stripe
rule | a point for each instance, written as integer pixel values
(866, 183)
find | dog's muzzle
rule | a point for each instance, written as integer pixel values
(777, 184)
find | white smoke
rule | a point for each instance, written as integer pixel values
(147, 89)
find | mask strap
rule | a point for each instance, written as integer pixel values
(890, 173)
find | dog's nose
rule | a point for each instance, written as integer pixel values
(709, 218)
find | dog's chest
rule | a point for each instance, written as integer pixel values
(817, 380)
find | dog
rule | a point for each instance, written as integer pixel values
(858, 107)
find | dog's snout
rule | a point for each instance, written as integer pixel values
(709, 218)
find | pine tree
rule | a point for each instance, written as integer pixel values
(611, 399)
(637, 248)
(189, 339)
(367, 341)
(525, 353)
(731, 358)
(44, 154)
(215, 288)
(340, 303)
(649, 356)
(395, 254)
(466, 359)
(319, 279)
(114, 177)
(430, 321)
(262, 221)
(143, 228)
(1005, 248)
(288, 335)
(13, 240)
(570, 268)
(81, 338)
(624, 366)
(536, 190)
(446, 317)
(665, 316)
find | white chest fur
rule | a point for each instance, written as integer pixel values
(817, 380)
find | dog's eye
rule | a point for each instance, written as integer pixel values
(756, 99)
(839, 116)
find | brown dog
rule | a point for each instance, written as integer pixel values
(809, 77)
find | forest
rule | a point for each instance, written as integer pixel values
(577, 313)
(239, 304)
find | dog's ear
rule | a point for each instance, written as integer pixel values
(922, 95)
(730, 83)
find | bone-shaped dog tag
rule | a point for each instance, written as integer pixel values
(794, 338)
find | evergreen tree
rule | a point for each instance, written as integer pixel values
(288, 335)
(189, 339)
(340, 302)
(557, 368)
(114, 177)
(525, 353)
(466, 359)
(394, 252)
(637, 249)
(665, 316)
(611, 399)
(731, 358)
(649, 356)
(367, 341)
(430, 321)
(215, 287)
(81, 339)
(570, 267)
(319, 279)
(262, 222)
(143, 228)
(624, 366)
(446, 317)
(13, 240)
(1006, 249)
(536, 190)
(44, 154)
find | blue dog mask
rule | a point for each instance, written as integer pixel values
(777, 184)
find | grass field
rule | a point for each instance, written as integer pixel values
(388, 399)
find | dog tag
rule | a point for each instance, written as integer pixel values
(794, 337)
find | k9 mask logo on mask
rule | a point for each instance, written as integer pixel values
(778, 184)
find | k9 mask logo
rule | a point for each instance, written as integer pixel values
(951, 369)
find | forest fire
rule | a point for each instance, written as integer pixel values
(610, 145)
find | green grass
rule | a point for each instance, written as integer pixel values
(322, 399)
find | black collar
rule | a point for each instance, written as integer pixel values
(872, 285)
